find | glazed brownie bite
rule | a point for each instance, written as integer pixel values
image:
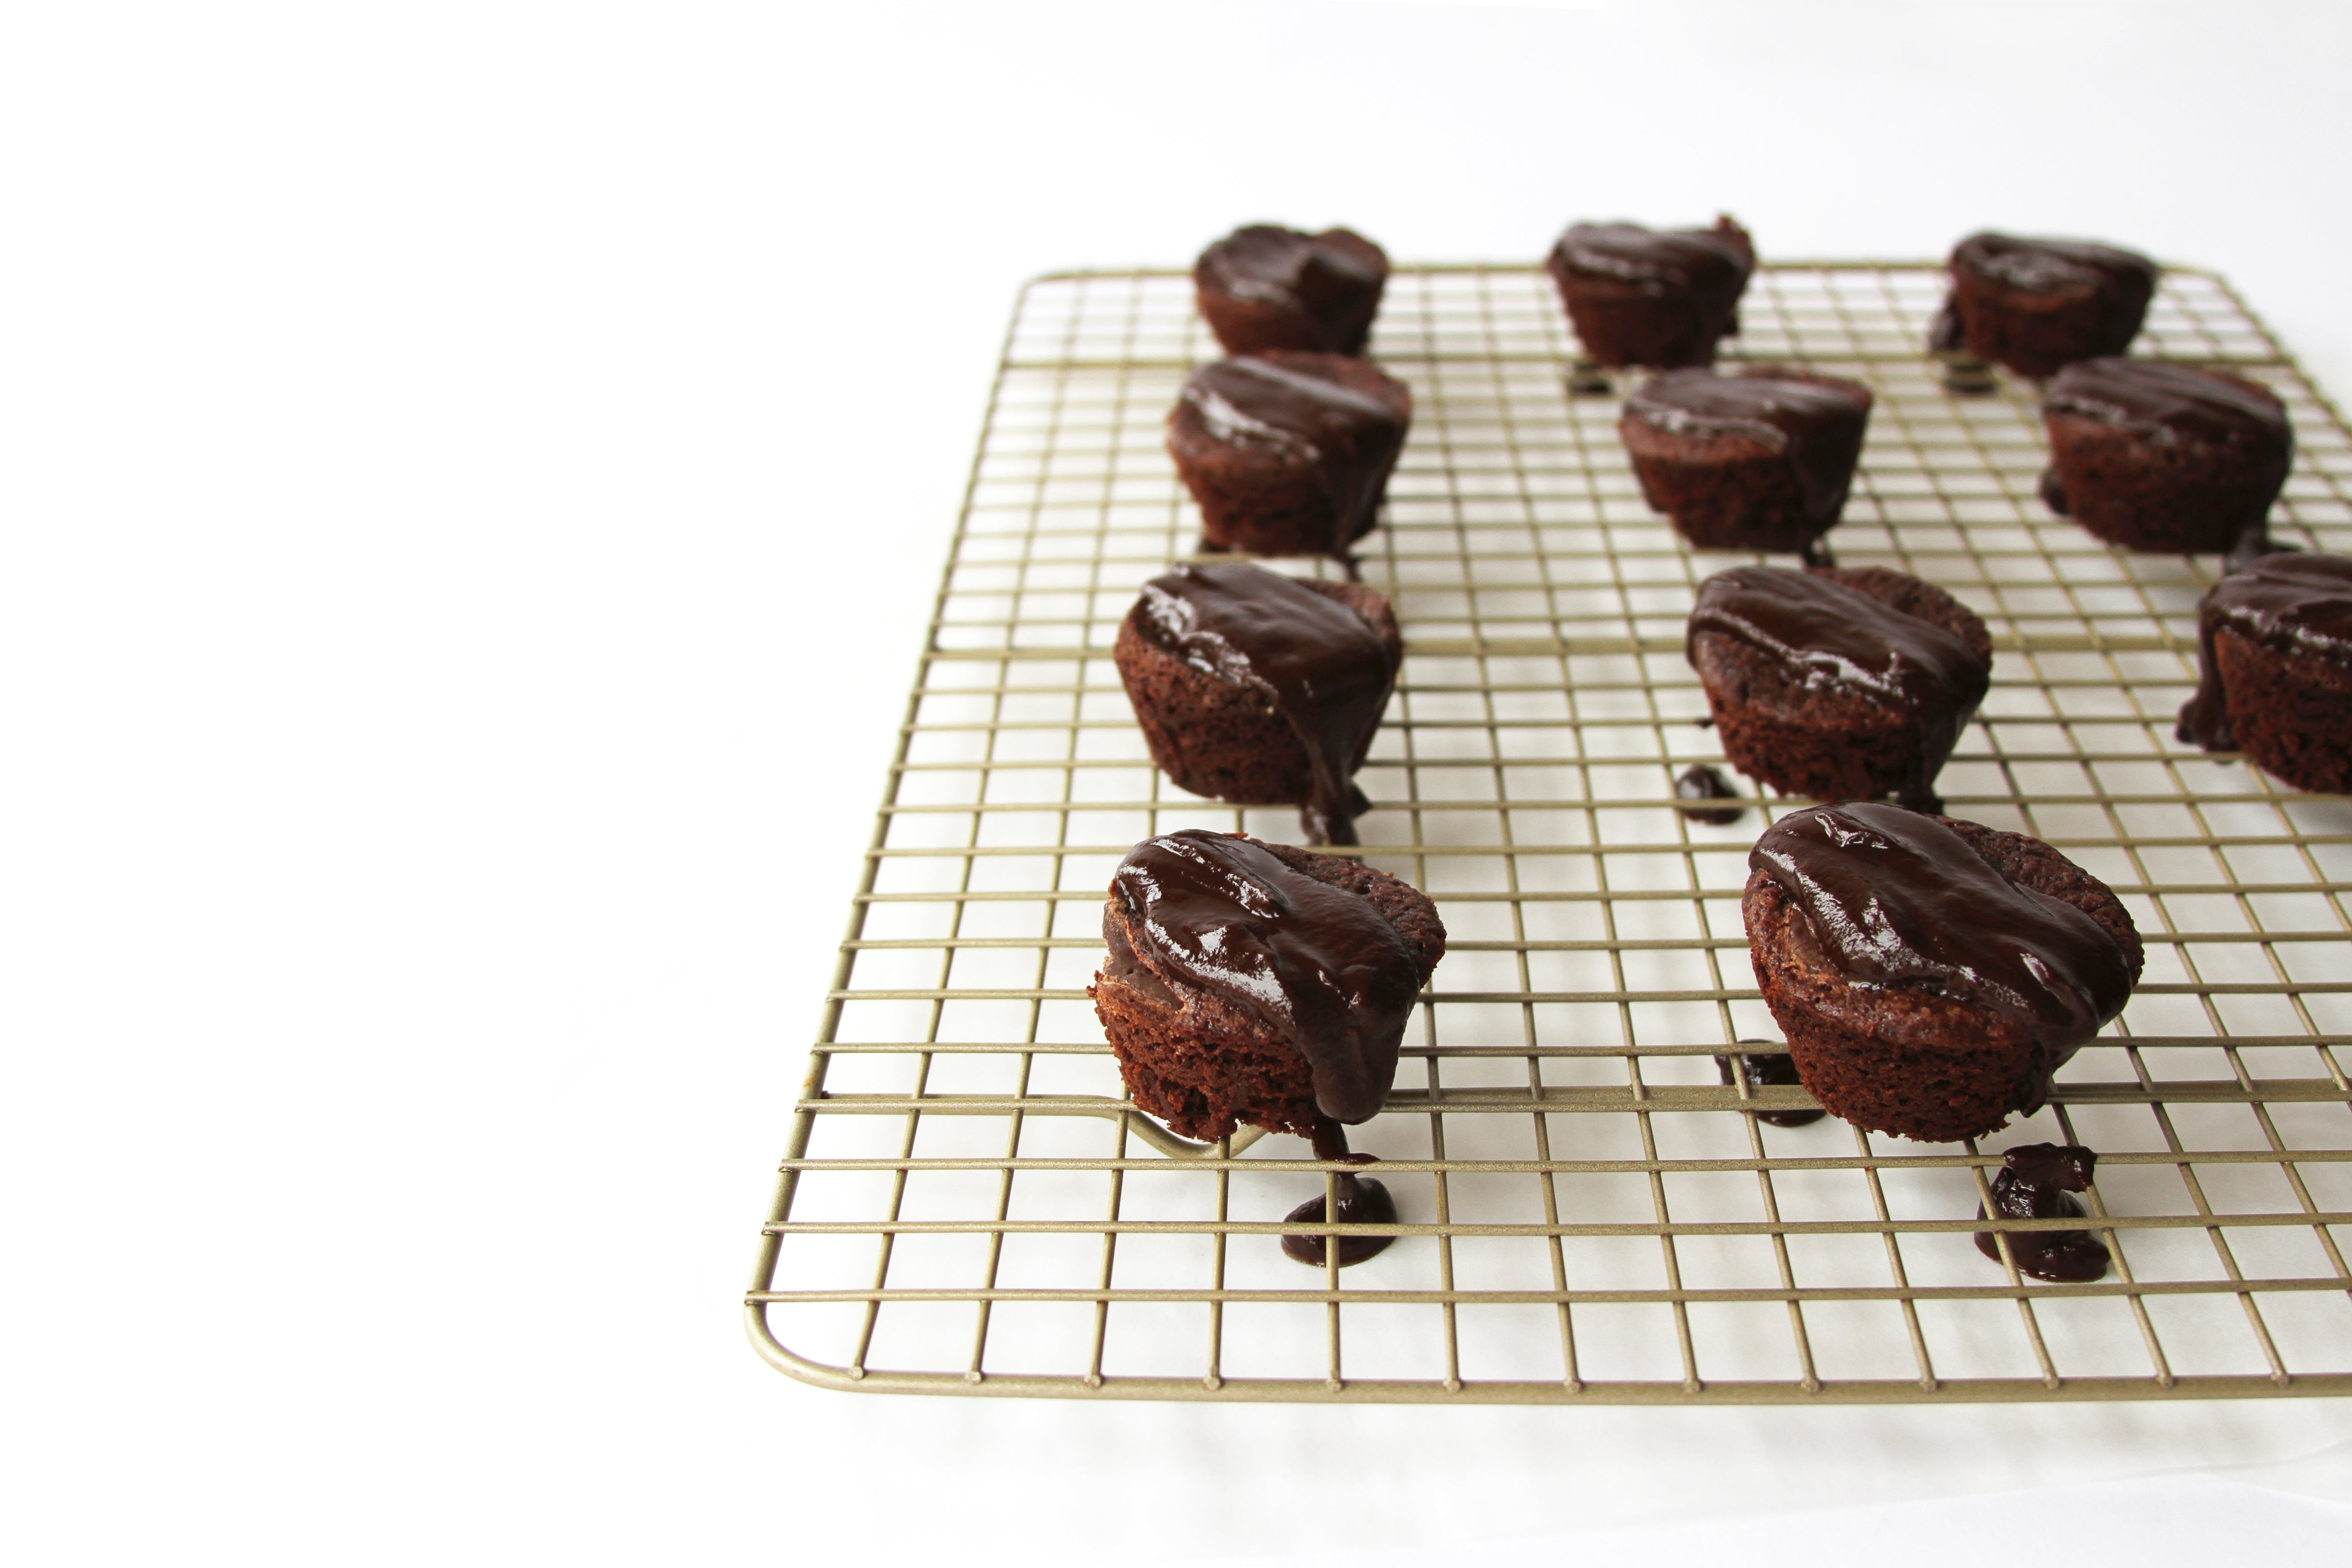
(1289, 453)
(1930, 974)
(2275, 649)
(1262, 287)
(2036, 305)
(1254, 982)
(1760, 460)
(2160, 456)
(1261, 689)
(1652, 297)
(1838, 684)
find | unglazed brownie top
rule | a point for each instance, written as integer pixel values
(1324, 276)
(2053, 266)
(1716, 259)
(2151, 395)
(1896, 899)
(1813, 420)
(1327, 669)
(1321, 963)
(2288, 602)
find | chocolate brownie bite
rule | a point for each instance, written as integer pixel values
(2274, 649)
(1263, 287)
(1840, 684)
(2036, 305)
(1652, 297)
(1261, 689)
(2160, 456)
(1760, 460)
(1255, 981)
(1289, 453)
(1930, 974)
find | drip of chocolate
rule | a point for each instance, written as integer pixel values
(1320, 966)
(1362, 1201)
(1712, 264)
(2039, 1181)
(2286, 601)
(1944, 334)
(2061, 267)
(2054, 492)
(1829, 635)
(1330, 277)
(1895, 899)
(1816, 554)
(1699, 782)
(1813, 422)
(1320, 665)
(1348, 439)
(1775, 1067)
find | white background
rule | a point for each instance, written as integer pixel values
(473, 479)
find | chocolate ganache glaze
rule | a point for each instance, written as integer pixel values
(1316, 660)
(2039, 1181)
(1320, 966)
(1830, 635)
(1349, 440)
(1816, 427)
(1894, 899)
(2056, 266)
(2289, 601)
(1713, 263)
(1700, 785)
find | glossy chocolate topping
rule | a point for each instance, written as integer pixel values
(1775, 1067)
(1828, 637)
(1816, 424)
(2039, 1181)
(1361, 1201)
(1321, 966)
(1327, 276)
(1319, 662)
(2289, 601)
(1700, 785)
(1709, 261)
(2056, 266)
(2172, 400)
(1894, 898)
(1348, 438)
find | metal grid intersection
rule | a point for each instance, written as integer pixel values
(1587, 1214)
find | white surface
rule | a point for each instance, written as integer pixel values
(474, 478)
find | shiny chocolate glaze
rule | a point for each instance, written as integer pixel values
(2056, 266)
(2286, 601)
(1361, 1201)
(1333, 279)
(2039, 1181)
(1776, 1067)
(1699, 782)
(1712, 263)
(1350, 440)
(1815, 423)
(1895, 899)
(1830, 636)
(1319, 662)
(1320, 966)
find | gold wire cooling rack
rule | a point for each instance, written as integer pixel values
(1588, 1214)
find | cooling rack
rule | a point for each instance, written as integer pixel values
(1587, 1213)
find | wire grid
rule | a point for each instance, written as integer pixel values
(1588, 1214)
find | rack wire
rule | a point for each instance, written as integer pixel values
(1588, 1214)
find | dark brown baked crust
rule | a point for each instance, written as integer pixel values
(1916, 1062)
(1248, 326)
(1724, 490)
(1270, 503)
(1202, 1064)
(2174, 495)
(1224, 739)
(2290, 713)
(1829, 745)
